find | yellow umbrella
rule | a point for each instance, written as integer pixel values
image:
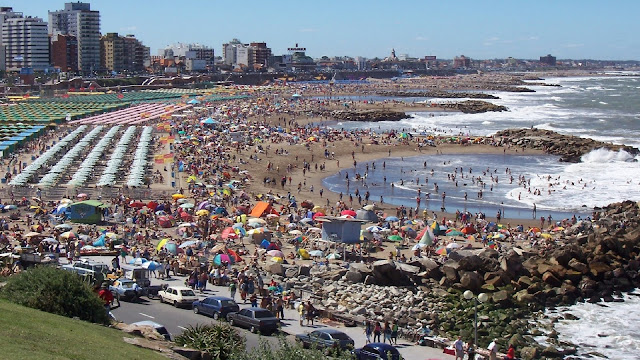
(111, 235)
(277, 259)
(546, 235)
(203, 212)
(162, 243)
(177, 196)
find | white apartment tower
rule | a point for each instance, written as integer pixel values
(5, 14)
(26, 43)
(79, 20)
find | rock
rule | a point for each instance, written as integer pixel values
(523, 297)
(551, 352)
(529, 353)
(275, 268)
(598, 268)
(360, 310)
(354, 276)
(500, 296)
(366, 115)
(408, 269)
(511, 263)
(489, 253)
(551, 279)
(369, 280)
(473, 106)
(438, 94)
(471, 263)
(146, 331)
(291, 271)
(304, 270)
(361, 268)
(450, 270)
(471, 280)
(578, 266)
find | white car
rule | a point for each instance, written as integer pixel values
(177, 296)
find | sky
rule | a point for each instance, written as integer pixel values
(488, 29)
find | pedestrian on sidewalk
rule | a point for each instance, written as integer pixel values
(377, 330)
(394, 333)
(368, 329)
(387, 332)
(232, 289)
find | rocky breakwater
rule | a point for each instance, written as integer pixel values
(439, 94)
(591, 261)
(569, 148)
(366, 115)
(473, 106)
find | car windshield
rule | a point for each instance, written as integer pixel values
(127, 284)
(263, 314)
(340, 336)
(227, 303)
(187, 293)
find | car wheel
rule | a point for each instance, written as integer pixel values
(175, 303)
(195, 309)
(160, 298)
(231, 322)
(216, 316)
(253, 329)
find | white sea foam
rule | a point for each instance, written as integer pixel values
(603, 103)
(602, 329)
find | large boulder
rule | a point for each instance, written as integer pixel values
(361, 268)
(354, 276)
(551, 279)
(529, 353)
(471, 280)
(275, 268)
(471, 263)
(407, 269)
(450, 270)
(576, 265)
(511, 263)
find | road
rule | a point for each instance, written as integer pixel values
(176, 320)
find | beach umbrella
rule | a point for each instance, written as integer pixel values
(391, 219)
(162, 243)
(11, 207)
(187, 205)
(418, 246)
(187, 224)
(69, 235)
(182, 201)
(202, 212)
(374, 229)
(295, 232)
(334, 256)
(138, 261)
(546, 235)
(369, 207)
(316, 253)
(348, 212)
(137, 204)
(151, 265)
(172, 248)
(441, 251)
(222, 258)
(277, 259)
(453, 232)
(276, 253)
(265, 244)
(395, 238)
(304, 254)
(187, 244)
(453, 246)
(535, 229)
(32, 234)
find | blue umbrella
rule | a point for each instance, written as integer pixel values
(172, 248)
(151, 265)
(391, 218)
(187, 244)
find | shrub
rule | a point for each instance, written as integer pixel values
(286, 350)
(55, 291)
(220, 340)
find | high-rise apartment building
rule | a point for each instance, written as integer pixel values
(79, 20)
(239, 55)
(112, 52)
(26, 43)
(64, 52)
(5, 13)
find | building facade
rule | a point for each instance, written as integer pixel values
(64, 52)
(461, 61)
(79, 20)
(196, 57)
(5, 13)
(252, 56)
(26, 43)
(548, 60)
(112, 52)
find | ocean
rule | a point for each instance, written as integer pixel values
(602, 108)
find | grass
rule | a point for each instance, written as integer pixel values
(27, 333)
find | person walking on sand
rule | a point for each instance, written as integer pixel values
(301, 311)
(493, 350)
(534, 210)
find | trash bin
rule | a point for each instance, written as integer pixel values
(3, 180)
(173, 174)
(173, 183)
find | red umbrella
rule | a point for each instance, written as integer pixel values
(185, 216)
(138, 204)
(152, 205)
(348, 212)
(234, 255)
(227, 233)
(317, 215)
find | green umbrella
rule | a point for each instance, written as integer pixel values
(395, 238)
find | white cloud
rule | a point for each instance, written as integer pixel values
(422, 38)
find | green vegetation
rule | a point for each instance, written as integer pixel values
(220, 340)
(55, 291)
(287, 350)
(31, 334)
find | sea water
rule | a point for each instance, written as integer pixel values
(601, 108)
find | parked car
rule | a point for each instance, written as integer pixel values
(159, 328)
(177, 296)
(216, 306)
(326, 339)
(377, 351)
(255, 319)
(127, 290)
(83, 267)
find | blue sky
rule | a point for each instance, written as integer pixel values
(478, 29)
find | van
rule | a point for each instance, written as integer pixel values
(85, 267)
(136, 273)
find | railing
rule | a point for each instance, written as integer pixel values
(59, 192)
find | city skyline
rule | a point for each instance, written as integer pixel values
(498, 29)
